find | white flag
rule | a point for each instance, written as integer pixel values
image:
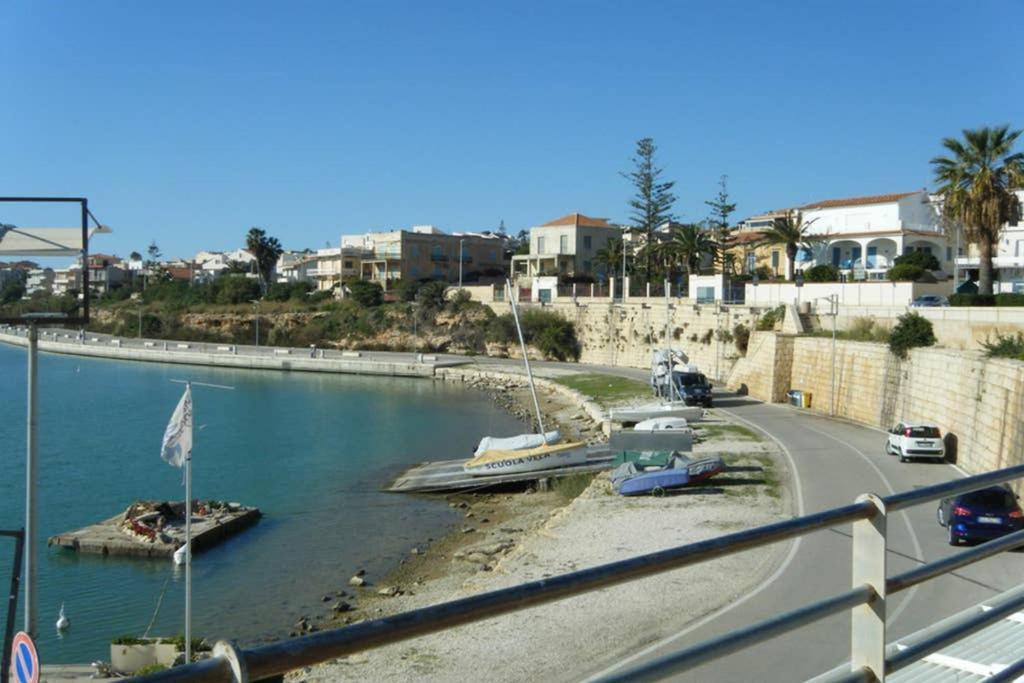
(177, 443)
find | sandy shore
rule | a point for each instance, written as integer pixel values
(510, 538)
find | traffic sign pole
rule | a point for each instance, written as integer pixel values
(31, 513)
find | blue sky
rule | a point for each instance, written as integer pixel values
(189, 122)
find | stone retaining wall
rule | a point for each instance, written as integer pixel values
(977, 401)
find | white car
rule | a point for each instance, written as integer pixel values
(915, 440)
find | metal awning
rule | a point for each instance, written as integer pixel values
(17, 241)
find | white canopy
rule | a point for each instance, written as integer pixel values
(16, 241)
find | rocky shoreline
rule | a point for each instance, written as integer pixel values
(494, 523)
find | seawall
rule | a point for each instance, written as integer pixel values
(230, 355)
(978, 402)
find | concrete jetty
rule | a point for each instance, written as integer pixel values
(218, 354)
(157, 529)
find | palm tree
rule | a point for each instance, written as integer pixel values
(611, 256)
(791, 231)
(977, 184)
(688, 245)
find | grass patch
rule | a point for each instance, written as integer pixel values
(570, 487)
(606, 389)
(769, 482)
(731, 431)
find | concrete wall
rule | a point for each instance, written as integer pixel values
(977, 400)
(850, 293)
(955, 327)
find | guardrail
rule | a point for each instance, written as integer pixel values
(866, 601)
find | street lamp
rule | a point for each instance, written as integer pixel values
(256, 310)
(460, 262)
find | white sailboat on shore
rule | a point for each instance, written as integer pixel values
(525, 452)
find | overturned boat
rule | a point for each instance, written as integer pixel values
(527, 460)
(629, 479)
(658, 424)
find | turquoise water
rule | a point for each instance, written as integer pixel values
(311, 451)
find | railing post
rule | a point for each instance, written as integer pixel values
(867, 644)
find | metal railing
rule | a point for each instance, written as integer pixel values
(866, 601)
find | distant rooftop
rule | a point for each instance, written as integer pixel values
(857, 201)
(578, 219)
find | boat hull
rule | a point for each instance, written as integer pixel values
(530, 460)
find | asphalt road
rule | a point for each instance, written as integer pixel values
(835, 461)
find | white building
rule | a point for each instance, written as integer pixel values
(864, 235)
(211, 264)
(1007, 261)
(39, 280)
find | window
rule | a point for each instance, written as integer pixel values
(348, 264)
(837, 256)
(949, 253)
(872, 253)
(436, 252)
(751, 262)
(775, 260)
(563, 244)
(414, 250)
(586, 266)
(586, 241)
(540, 245)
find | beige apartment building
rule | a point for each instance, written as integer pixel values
(427, 253)
(566, 246)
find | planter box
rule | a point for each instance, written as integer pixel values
(131, 658)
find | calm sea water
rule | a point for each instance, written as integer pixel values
(312, 451)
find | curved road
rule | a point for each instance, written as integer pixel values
(835, 461)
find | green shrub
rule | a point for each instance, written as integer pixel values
(406, 290)
(285, 291)
(149, 669)
(1010, 346)
(234, 289)
(905, 272)
(913, 330)
(431, 295)
(366, 294)
(741, 333)
(920, 259)
(551, 334)
(866, 329)
(824, 272)
(502, 329)
(972, 300)
(1008, 299)
(768, 321)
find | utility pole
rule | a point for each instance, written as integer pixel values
(460, 262)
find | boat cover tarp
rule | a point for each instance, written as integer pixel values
(516, 443)
(660, 423)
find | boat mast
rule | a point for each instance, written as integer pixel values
(668, 348)
(526, 359)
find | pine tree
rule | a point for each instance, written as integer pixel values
(721, 208)
(652, 203)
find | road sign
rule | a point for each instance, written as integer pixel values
(24, 660)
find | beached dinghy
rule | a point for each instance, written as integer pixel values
(658, 424)
(516, 443)
(629, 480)
(528, 460)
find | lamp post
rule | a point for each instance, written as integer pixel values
(798, 280)
(256, 311)
(460, 262)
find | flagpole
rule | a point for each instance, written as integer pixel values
(188, 545)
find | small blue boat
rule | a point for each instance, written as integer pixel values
(629, 480)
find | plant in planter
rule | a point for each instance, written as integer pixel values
(130, 654)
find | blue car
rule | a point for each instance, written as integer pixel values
(980, 515)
